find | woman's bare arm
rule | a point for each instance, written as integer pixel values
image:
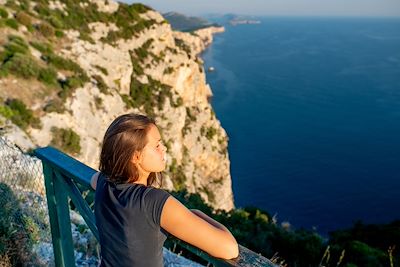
(209, 220)
(198, 229)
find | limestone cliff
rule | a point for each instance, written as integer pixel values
(120, 66)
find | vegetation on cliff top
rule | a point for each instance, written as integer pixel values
(78, 14)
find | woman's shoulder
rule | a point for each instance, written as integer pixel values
(151, 192)
(152, 201)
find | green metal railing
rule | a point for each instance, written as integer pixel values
(65, 177)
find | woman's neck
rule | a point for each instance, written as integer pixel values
(142, 179)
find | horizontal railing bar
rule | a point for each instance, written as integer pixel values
(246, 256)
(68, 166)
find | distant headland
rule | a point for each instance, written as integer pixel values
(244, 21)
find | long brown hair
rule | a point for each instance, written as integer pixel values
(126, 135)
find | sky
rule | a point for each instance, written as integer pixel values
(375, 8)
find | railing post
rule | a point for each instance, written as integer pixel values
(60, 221)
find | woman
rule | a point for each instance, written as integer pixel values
(132, 216)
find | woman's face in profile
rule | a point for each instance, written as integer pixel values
(153, 156)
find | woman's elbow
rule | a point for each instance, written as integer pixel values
(231, 250)
(234, 250)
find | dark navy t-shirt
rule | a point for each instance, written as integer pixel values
(128, 221)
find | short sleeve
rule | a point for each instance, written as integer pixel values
(101, 180)
(154, 200)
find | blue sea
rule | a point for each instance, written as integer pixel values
(312, 110)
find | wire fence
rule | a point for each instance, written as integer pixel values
(24, 208)
(23, 173)
(27, 227)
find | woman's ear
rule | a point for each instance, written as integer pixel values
(136, 157)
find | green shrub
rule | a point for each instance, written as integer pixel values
(3, 13)
(54, 105)
(6, 112)
(209, 132)
(16, 59)
(70, 84)
(59, 33)
(182, 45)
(22, 65)
(77, 80)
(178, 102)
(16, 231)
(48, 76)
(15, 45)
(55, 21)
(12, 23)
(23, 18)
(168, 70)
(21, 115)
(66, 64)
(149, 95)
(142, 51)
(24, 5)
(361, 254)
(101, 84)
(128, 101)
(44, 48)
(61, 63)
(3, 72)
(140, 8)
(136, 67)
(177, 174)
(125, 15)
(77, 17)
(366, 244)
(67, 87)
(190, 115)
(12, 4)
(102, 69)
(46, 29)
(129, 22)
(86, 37)
(172, 50)
(42, 9)
(111, 37)
(98, 101)
(66, 140)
